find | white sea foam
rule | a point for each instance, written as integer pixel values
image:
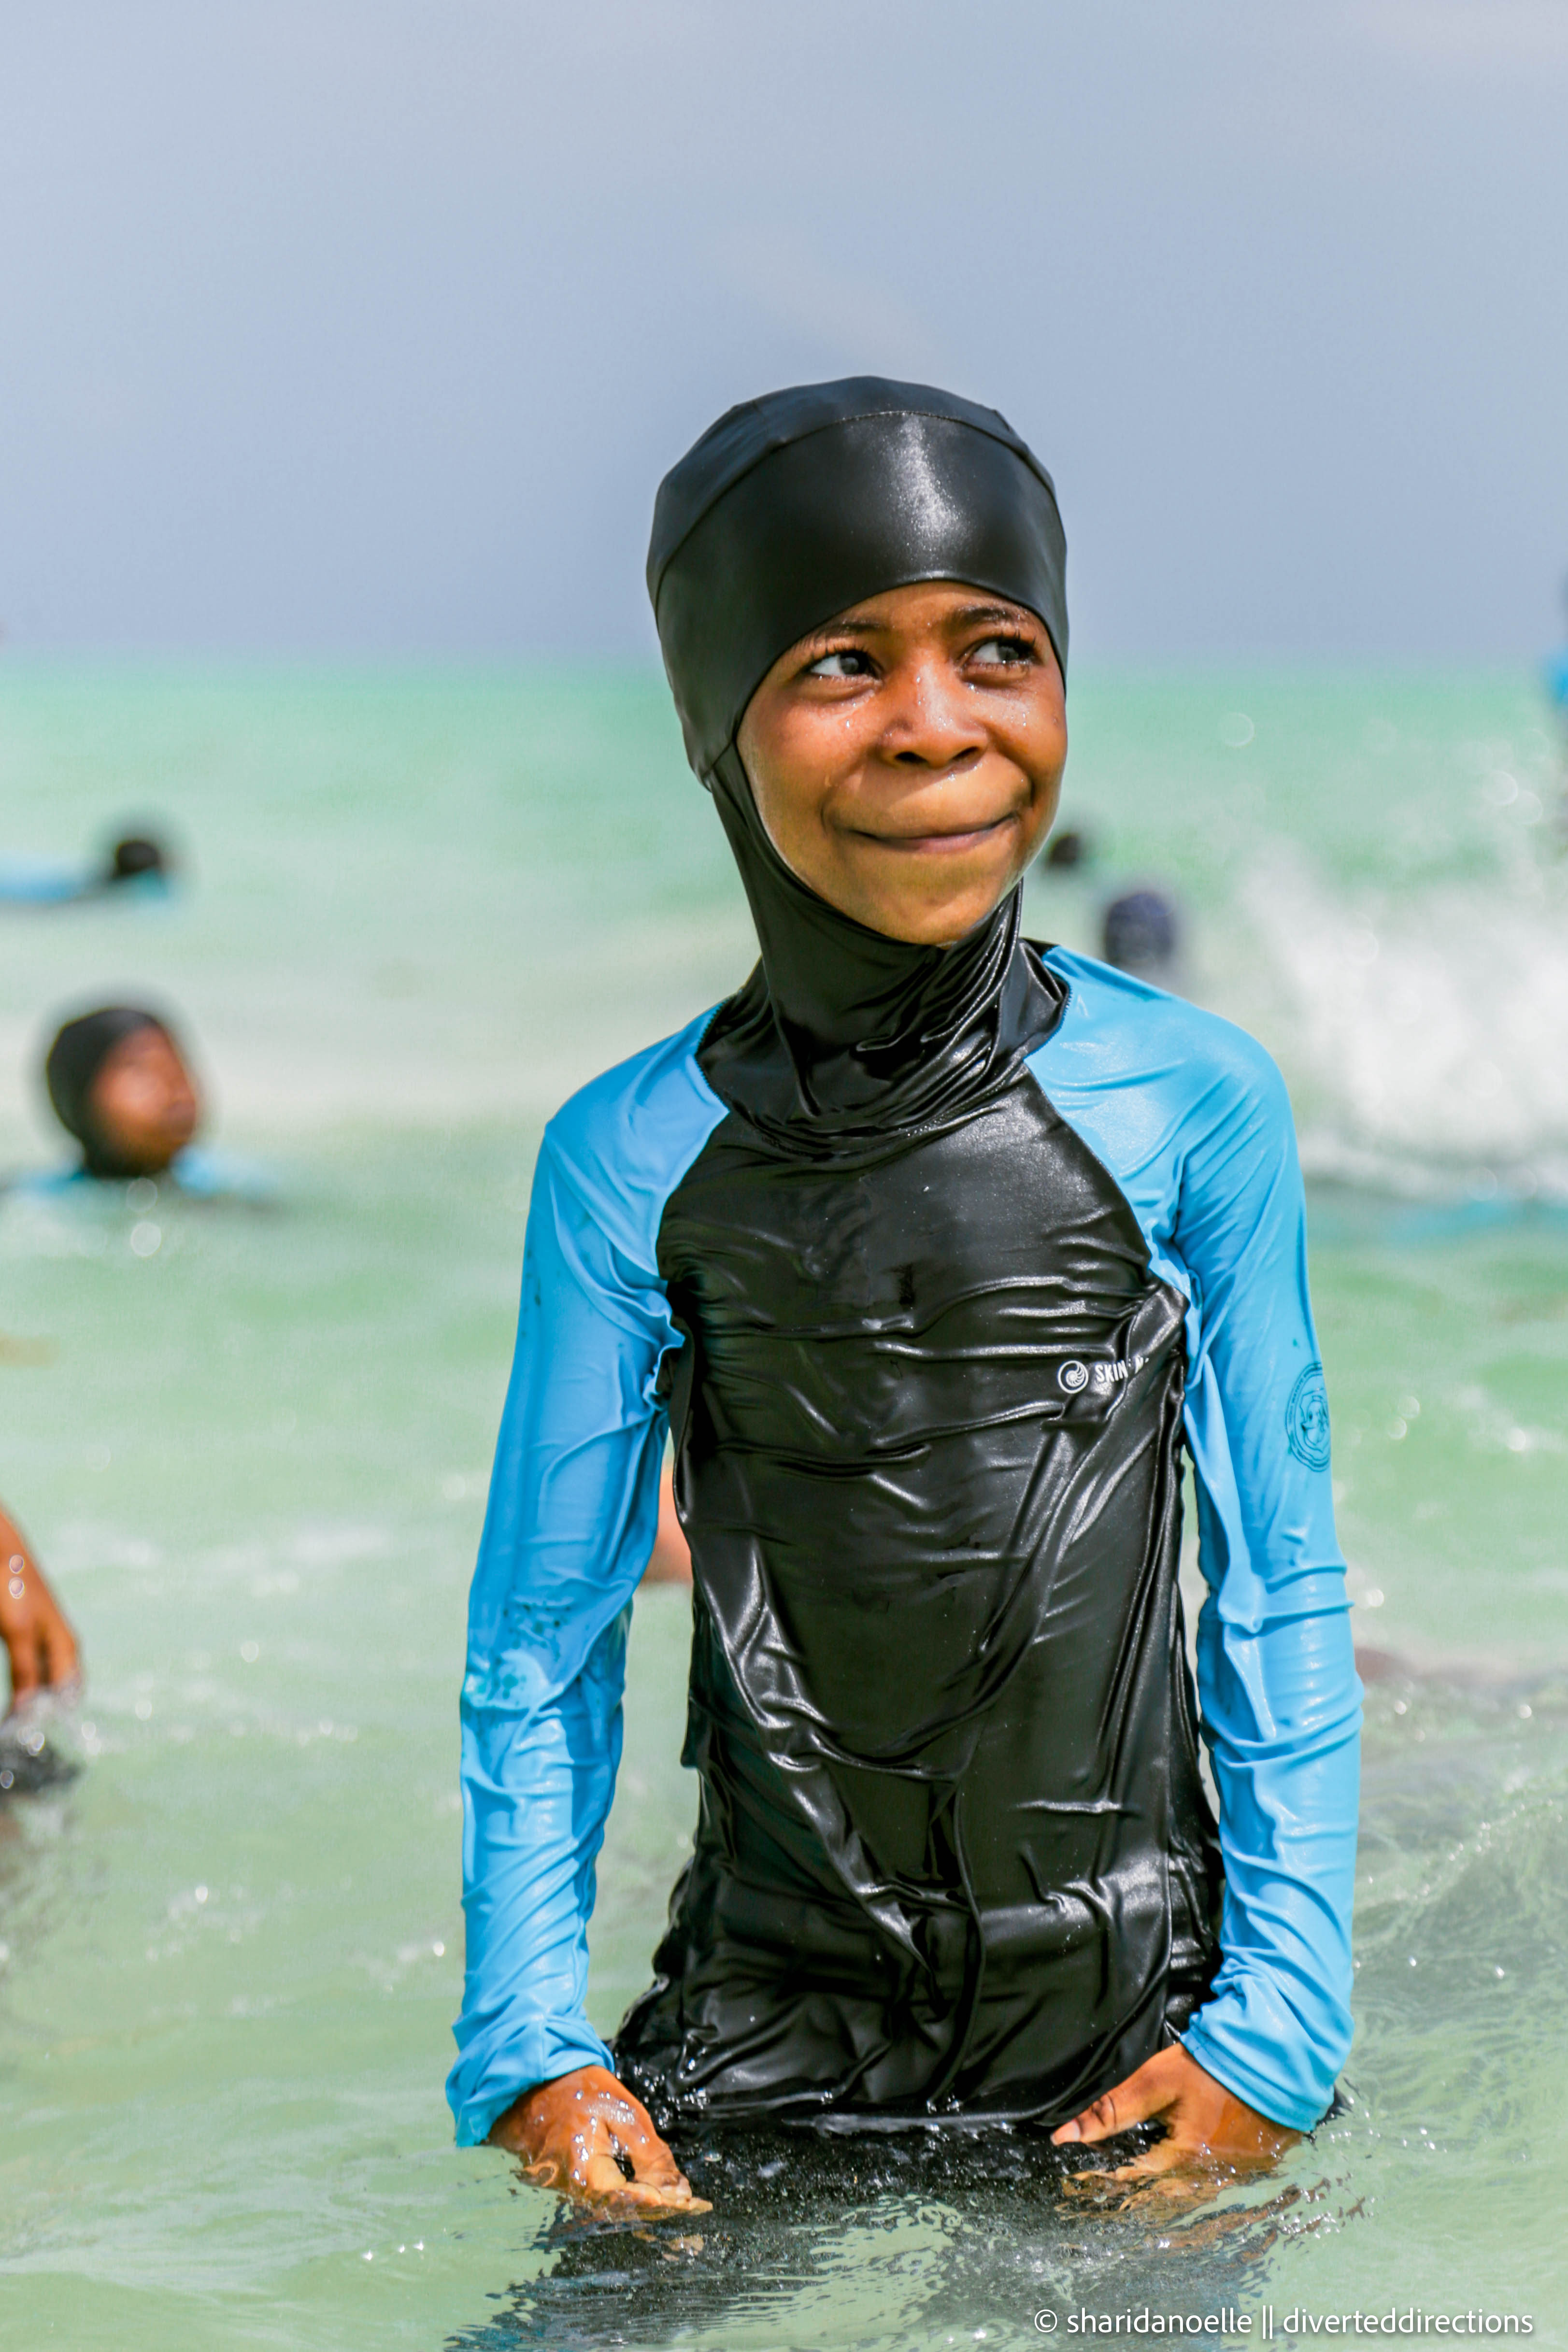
(1424, 1036)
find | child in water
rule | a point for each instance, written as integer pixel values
(120, 1085)
(933, 1249)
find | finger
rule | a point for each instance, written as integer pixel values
(1130, 2102)
(1165, 2156)
(1168, 2197)
(632, 2132)
(603, 2179)
(654, 2166)
(650, 2160)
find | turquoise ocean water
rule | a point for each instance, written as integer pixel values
(252, 1448)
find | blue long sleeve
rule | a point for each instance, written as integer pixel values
(573, 1508)
(1192, 1119)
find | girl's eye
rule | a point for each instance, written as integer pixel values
(1009, 652)
(846, 663)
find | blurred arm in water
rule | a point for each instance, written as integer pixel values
(669, 1563)
(38, 1642)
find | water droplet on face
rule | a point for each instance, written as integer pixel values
(143, 1709)
(440, 1950)
(250, 1652)
(201, 1894)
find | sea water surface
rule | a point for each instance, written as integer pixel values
(251, 1445)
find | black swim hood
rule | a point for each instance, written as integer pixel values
(788, 510)
(72, 1063)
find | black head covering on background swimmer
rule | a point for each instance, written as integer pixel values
(790, 509)
(78, 1053)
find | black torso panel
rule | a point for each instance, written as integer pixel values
(954, 1851)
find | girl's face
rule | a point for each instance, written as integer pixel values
(907, 759)
(144, 1103)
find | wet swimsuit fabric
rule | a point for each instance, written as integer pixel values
(979, 1916)
(926, 1277)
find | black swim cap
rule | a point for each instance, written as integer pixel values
(79, 1051)
(137, 855)
(793, 506)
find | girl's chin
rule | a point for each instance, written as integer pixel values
(927, 926)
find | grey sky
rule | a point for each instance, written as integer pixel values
(367, 326)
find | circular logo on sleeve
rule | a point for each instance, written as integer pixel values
(1307, 1419)
(1073, 1376)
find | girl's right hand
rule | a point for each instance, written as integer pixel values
(579, 2133)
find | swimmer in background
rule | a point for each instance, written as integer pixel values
(1140, 933)
(1139, 929)
(120, 1083)
(139, 858)
(1555, 677)
(39, 1640)
(1068, 851)
(1556, 674)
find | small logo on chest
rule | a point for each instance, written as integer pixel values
(1075, 1376)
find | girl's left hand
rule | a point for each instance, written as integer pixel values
(1208, 2130)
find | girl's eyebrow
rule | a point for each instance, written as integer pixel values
(969, 617)
(864, 624)
(1006, 616)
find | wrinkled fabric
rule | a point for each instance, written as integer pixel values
(1189, 1122)
(954, 1853)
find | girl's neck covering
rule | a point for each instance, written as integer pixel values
(71, 1068)
(787, 511)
